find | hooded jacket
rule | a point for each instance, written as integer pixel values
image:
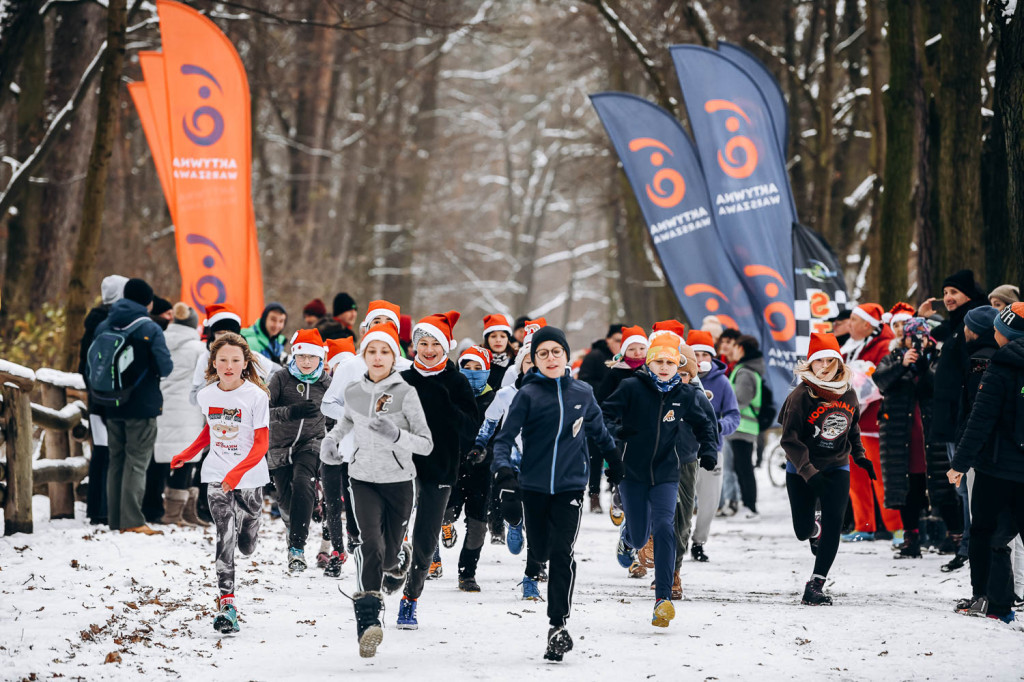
(554, 418)
(375, 459)
(450, 409)
(288, 436)
(749, 373)
(259, 340)
(150, 347)
(180, 420)
(949, 373)
(993, 440)
(658, 430)
(723, 400)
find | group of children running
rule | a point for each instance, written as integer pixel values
(499, 430)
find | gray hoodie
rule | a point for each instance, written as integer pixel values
(374, 459)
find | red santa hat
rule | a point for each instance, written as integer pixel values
(221, 312)
(631, 335)
(477, 353)
(381, 332)
(385, 308)
(497, 323)
(823, 346)
(901, 312)
(531, 328)
(438, 326)
(674, 326)
(870, 312)
(701, 340)
(308, 342)
(340, 349)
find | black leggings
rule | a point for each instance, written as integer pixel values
(296, 493)
(802, 500)
(743, 464)
(334, 493)
(915, 502)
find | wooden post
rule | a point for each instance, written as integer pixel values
(57, 446)
(17, 425)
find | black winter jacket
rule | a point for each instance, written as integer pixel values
(618, 373)
(902, 391)
(451, 412)
(288, 436)
(147, 339)
(979, 357)
(593, 369)
(657, 430)
(993, 441)
(949, 374)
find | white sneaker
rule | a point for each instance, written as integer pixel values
(751, 516)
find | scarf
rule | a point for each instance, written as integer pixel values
(829, 390)
(306, 378)
(665, 386)
(500, 359)
(430, 371)
(477, 379)
(634, 363)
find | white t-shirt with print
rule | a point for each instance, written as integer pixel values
(233, 417)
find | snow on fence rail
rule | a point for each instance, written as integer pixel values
(64, 425)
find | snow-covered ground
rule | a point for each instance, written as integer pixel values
(74, 597)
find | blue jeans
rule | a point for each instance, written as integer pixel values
(730, 481)
(650, 509)
(965, 541)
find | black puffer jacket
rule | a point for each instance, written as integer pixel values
(993, 441)
(594, 367)
(451, 412)
(903, 390)
(618, 373)
(949, 374)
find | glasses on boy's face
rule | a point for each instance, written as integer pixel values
(553, 352)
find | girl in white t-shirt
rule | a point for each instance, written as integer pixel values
(236, 406)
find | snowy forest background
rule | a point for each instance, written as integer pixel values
(444, 154)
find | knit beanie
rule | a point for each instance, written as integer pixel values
(1007, 293)
(185, 315)
(344, 303)
(315, 308)
(979, 320)
(964, 282)
(112, 288)
(664, 345)
(547, 333)
(138, 290)
(712, 324)
(160, 306)
(613, 330)
(1010, 322)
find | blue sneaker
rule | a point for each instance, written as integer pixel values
(859, 536)
(897, 539)
(407, 615)
(624, 553)
(296, 560)
(530, 591)
(514, 538)
(226, 621)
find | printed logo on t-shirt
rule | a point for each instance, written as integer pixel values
(576, 426)
(224, 423)
(835, 425)
(670, 416)
(383, 401)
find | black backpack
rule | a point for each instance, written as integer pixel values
(116, 366)
(767, 413)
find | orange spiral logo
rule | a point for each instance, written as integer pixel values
(657, 192)
(712, 305)
(729, 163)
(784, 329)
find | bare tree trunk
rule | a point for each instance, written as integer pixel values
(824, 163)
(95, 181)
(877, 70)
(1010, 95)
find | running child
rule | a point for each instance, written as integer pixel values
(334, 474)
(820, 436)
(236, 406)
(497, 335)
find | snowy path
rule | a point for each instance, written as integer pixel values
(72, 595)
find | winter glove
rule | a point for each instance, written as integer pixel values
(707, 462)
(384, 427)
(476, 455)
(614, 473)
(865, 464)
(817, 483)
(507, 485)
(303, 410)
(328, 449)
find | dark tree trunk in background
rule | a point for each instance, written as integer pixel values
(999, 259)
(95, 181)
(958, 174)
(902, 207)
(874, 20)
(1010, 99)
(824, 162)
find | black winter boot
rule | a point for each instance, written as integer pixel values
(911, 548)
(368, 628)
(559, 642)
(814, 594)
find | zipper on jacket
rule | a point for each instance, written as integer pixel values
(657, 435)
(396, 461)
(558, 434)
(299, 432)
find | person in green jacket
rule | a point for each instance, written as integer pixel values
(265, 335)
